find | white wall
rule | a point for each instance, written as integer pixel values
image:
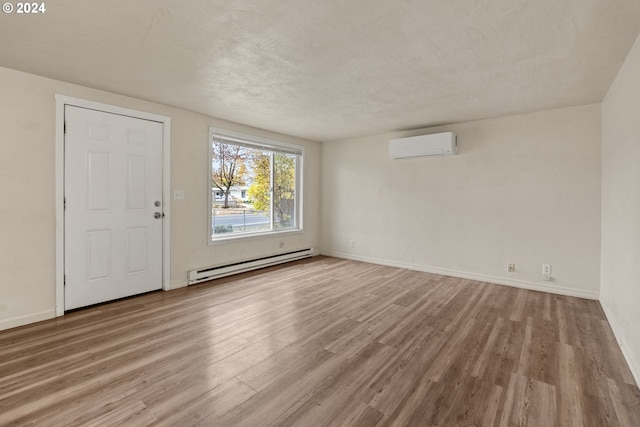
(524, 189)
(27, 196)
(620, 294)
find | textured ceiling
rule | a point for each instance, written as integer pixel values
(330, 69)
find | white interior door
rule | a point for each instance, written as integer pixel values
(113, 206)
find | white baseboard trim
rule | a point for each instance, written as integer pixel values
(16, 321)
(560, 290)
(634, 364)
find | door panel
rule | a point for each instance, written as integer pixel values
(136, 182)
(113, 178)
(137, 242)
(99, 181)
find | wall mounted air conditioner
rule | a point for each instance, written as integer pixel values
(436, 144)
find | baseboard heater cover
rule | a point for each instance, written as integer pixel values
(216, 272)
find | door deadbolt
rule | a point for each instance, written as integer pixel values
(157, 203)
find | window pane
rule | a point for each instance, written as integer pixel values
(259, 191)
(233, 174)
(238, 221)
(284, 186)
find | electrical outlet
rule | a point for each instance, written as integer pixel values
(351, 243)
(511, 268)
(546, 269)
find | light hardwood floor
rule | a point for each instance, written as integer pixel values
(322, 342)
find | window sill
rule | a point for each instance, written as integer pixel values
(253, 236)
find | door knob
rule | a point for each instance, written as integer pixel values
(157, 215)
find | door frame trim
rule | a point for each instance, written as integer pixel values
(61, 102)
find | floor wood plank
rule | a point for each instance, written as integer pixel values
(322, 342)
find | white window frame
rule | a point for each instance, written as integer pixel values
(269, 145)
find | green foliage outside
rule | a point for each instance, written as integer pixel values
(259, 190)
(224, 228)
(283, 186)
(284, 190)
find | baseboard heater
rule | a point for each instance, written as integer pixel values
(210, 273)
